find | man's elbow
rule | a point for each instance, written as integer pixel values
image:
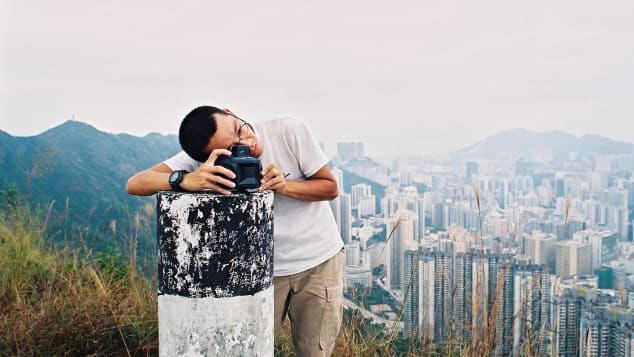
(333, 192)
(132, 187)
(129, 187)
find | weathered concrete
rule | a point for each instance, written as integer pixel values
(215, 274)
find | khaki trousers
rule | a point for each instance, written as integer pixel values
(313, 301)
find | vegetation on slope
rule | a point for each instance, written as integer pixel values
(68, 303)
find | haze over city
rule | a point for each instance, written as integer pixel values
(425, 77)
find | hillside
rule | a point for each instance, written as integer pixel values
(82, 170)
(524, 144)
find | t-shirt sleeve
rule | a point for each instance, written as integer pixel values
(307, 151)
(182, 161)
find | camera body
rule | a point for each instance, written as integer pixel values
(248, 169)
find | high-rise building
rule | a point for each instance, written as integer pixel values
(346, 217)
(367, 206)
(545, 195)
(443, 284)
(629, 186)
(540, 247)
(567, 314)
(473, 168)
(531, 303)
(350, 150)
(428, 311)
(463, 290)
(619, 277)
(389, 203)
(427, 297)
(605, 275)
(392, 249)
(359, 276)
(606, 331)
(617, 210)
(400, 236)
(353, 253)
(598, 181)
(596, 246)
(589, 322)
(409, 197)
(560, 186)
(420, 202)
(479, 296)
(438, 182)
(504, 311)
(573, 258)
(437, 215)
(603, 245)
(411, 293)
(358, 192)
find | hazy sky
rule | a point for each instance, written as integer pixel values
(427, 76)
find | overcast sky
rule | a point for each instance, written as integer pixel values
(426, 76)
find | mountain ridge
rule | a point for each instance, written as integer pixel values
(524, 143)
(77, 165)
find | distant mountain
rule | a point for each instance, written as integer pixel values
(527, 144)
(77, 163)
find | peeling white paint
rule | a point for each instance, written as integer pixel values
(176, 208)
(231, 326)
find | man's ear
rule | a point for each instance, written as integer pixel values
(228, 111)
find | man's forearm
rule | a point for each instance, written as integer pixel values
(311, 190)
(148, 182)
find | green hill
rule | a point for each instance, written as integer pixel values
(82, 171)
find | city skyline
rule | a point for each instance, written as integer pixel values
(430, 77)
(512, 259)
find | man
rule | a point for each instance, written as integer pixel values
(308, 256)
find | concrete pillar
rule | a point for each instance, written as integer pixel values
(215, 274)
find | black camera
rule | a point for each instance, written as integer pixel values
(248, 169)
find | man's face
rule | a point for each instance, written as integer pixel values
(232, 131)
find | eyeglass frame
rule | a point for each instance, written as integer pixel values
(239, 132)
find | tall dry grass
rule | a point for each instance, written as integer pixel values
(64, 303)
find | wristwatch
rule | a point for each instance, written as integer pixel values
(175, 179)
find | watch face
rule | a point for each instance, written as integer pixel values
(175, 179)
(174, 176)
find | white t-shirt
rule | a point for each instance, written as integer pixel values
(305, 232)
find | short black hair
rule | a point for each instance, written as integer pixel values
(196, 130)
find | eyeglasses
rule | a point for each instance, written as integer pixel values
(242, 129)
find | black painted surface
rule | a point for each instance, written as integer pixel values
(212, 245)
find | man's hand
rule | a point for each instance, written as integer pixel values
(210, 176)
(273, 179)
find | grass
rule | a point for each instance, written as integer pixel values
(69, 303)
